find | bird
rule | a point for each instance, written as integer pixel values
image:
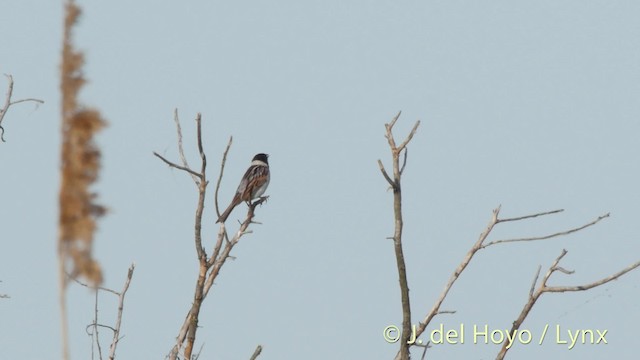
(253, 184)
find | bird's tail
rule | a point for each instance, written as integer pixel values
(223, 217)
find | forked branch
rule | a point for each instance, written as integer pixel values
(116, 333)
(544, 288)
(8, 103)
(209, 267)
(403, 353)
(549, 236)
(481, 243)
(96, 325)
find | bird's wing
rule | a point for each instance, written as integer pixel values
(255, 177)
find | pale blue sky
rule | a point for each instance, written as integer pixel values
(534, 105)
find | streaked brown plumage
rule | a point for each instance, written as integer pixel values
(253, 184)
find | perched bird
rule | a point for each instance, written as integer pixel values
(253, 184)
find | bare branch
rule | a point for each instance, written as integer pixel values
(183, 158)
(389, 135)
(222, 235)
(102, 326)
(174, 165)
(185, 167)
(197, 355)
(224, 161)
(116, 332)
(424, 352)
(386, 176)
(480, 244)
(563, 270)
(446, 312)
(202, 191)
(216, 263)
(561, 233)
(209, 268)
(593, 284)
(534, 294)
(403, 353)
(26, 100)
(555, 263)
(176, 119)
(69, 276)
(95, 327)
(8, 103)
(543, 288)
(189, 328)
(435, 310)
(393, 121)
(256, 353)
(409, 137)
(535, 281)
(404, 161)
(530, 216)
(203, 157)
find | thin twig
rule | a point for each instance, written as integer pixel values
(174, 165)
(530, 216)
(203, 156)
(426, 347)
(593, 284)
(406, 141)
(446, 312)
(561, 233)
(222, 234)
(116, 332)
(384, 173)
(393, 121)
(404, 161)
(256, 353)
(8, 103)
(95, 327)
(25, 100)
(224, 161)
(197, 355)
(104, 326)
(183, 158)
(563, 270)
(69, 276)
(544, 288)
(480, 244)
(202, 192)
(535, 281)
